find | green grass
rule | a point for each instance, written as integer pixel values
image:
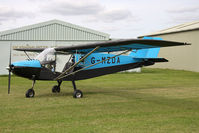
(156, 100)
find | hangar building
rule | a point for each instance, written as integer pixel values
(46, 34)
(181, 57)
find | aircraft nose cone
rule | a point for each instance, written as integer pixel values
(10, 67)
(25, 68)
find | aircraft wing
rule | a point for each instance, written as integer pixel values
(111, 46)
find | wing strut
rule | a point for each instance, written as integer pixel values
(70, 68)
(27, 55)
(61, 77)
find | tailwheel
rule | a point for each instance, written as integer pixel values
(77, 94)
(56, 89)
(30, 93)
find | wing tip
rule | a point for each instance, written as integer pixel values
(29, 49)
(187, 43)
(18, 49)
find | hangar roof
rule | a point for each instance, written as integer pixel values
(54, 30)
(179, 28)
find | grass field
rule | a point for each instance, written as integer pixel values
(155, 100)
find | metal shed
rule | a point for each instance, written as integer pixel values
(186, 57)
(46, 34)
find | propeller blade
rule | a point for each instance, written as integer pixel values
(10, 67)
(9, 78)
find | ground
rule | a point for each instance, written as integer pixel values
(156, 100)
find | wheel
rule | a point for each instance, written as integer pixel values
(30, 93)
(58, 89)
(77, 94)
(55, 89)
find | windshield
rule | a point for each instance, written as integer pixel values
(48, 55)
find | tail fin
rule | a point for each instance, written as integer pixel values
(145, 53)
(150, 54)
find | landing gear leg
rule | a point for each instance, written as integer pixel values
(30, 92)
(77, 93)
(56, 88)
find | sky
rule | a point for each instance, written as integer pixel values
(119, 18)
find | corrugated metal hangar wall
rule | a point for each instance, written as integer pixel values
(47, 34)
(183, 57)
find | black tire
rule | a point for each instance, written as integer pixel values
(55, 89)
(30, 93)
(77, 94)
(58, 89)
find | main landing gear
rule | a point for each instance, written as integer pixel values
(56, 88)
(76, 93)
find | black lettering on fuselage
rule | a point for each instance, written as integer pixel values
(106, 60)
(118, 60)
(103, 58)
(113, 60)
(93, 60)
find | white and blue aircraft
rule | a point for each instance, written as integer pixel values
(88, 61)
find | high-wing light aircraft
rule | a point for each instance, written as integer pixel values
(88, 61)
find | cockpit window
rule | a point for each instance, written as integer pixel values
(47, 56)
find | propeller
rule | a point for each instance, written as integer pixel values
(9, 70)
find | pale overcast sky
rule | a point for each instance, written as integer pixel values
(119, 18)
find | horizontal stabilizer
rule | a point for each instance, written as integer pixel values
(154, 59)
(158, 60)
